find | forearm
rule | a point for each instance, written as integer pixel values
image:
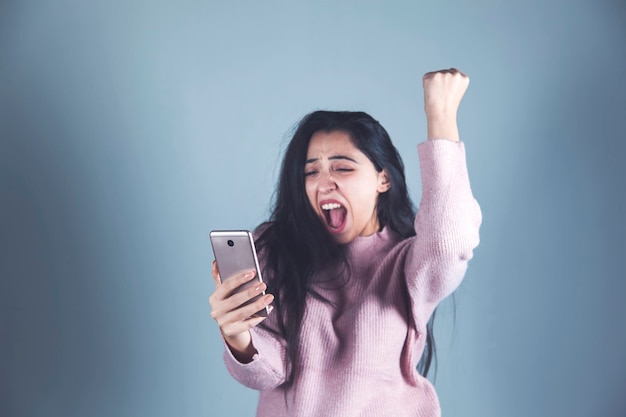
(267, 367)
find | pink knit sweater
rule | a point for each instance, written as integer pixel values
(359, 357)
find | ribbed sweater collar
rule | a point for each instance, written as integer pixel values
(363, 247)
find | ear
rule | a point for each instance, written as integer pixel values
(383, 182)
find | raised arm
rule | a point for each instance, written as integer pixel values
(449, 217)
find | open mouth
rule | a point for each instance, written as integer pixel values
(335, 215)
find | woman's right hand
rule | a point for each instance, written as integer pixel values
(233, 319)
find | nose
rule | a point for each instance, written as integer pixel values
(327, 183)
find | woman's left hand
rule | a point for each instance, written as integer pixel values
(443, 92)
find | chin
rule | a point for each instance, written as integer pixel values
(341, 235)
(342, 238)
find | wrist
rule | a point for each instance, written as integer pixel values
(241, 346)
(443, 128)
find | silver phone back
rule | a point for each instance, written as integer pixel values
(235, 253)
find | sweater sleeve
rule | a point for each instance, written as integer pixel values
(446, 226)
(270, 365)
(268, 368)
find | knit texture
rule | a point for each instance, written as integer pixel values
(358, 355)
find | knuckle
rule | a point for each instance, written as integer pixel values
(239, 279)
(233, 301)
(263, 301)
(255, 290)
(229, 286)
(241, 315)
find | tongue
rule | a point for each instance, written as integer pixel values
(337, 217)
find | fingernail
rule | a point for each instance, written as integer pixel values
(248, 274)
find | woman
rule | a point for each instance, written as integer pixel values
(353, 275)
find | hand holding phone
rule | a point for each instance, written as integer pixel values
(239, 302)
(235, 255)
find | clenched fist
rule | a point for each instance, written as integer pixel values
(443, 91)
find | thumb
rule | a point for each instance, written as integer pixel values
(216, 274)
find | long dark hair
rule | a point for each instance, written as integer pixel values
(295, 243)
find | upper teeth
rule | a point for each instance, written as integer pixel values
(330, 206)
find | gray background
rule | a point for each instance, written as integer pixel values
(130, 129)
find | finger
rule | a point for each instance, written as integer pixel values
(244, 313)
(452, 71)
(227, 287)
(242, 297)
(459, 72)
(428, 75)
(237, 280)
(221, 308)
(432, 74)
(240, 327)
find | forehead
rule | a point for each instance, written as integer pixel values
(326, 144)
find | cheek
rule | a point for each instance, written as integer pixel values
(368, 196)
(366, 210)
(369, 204)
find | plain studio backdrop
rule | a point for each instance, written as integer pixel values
(130, 129)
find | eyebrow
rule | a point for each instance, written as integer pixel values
(333, 158)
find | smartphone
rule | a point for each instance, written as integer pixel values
(235, 253)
